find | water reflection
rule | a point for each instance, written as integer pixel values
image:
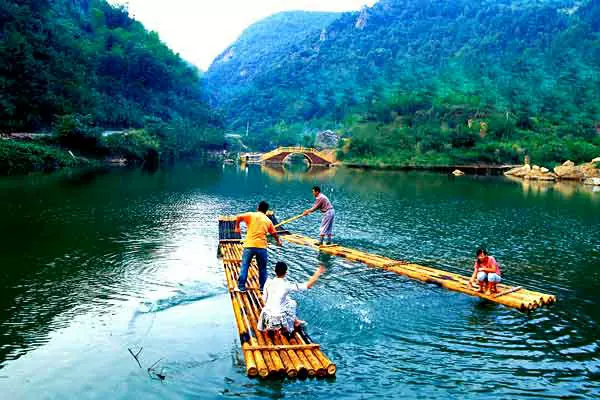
(567, 189)
(86, 239)
(297, 172)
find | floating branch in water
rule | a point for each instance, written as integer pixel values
(154, 374)
(136, 355)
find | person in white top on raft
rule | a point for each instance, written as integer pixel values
(279, 311)
(323, 204)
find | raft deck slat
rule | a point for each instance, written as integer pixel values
(265, 356)
(516, 297)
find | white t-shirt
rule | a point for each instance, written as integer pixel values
(276, 291)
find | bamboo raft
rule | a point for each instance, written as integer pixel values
(510, 296)
(265, 356)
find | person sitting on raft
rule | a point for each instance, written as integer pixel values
(279, 311)
(486, 271)
(323, 204)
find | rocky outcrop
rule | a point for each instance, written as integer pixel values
(569, 171)
(532, 173)
(327, 139)
(588, 172)
(540, 174)
(519, 172)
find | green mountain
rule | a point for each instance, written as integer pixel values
(412, 81)
(258, 45)
(78, 67)
(88, 57)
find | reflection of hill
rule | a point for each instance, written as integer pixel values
(74, 242)
(282, 173)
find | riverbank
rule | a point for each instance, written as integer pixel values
(47, 154)
(474, 169)
(18, 157)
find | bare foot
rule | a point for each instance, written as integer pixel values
(299, 322)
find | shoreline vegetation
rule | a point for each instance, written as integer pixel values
(76, 142)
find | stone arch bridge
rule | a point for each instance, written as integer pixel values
(280, 155)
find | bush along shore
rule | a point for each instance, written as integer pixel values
(75, 142)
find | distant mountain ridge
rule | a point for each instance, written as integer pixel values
(259, 44)
(427, 62)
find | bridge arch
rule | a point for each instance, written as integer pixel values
(291, 154)
(280, 155)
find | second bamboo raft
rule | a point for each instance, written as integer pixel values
(511, 296)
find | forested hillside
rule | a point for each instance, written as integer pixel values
(80, 66)
(259, 45)
(432, 81)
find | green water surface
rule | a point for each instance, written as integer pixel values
(93, 264)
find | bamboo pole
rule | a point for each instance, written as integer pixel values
(322, 364)
(254, 363)
(260, 361)
(287, 221)
(309, 368)
(309, 346)
(272, 358)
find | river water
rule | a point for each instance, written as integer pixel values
(94, 264)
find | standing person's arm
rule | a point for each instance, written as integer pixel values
(314, 208)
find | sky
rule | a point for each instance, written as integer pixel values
(199, 30)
